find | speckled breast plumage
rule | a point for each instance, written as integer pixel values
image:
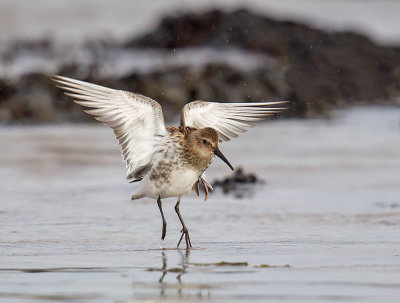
(174, 170)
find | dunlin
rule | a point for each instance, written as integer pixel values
(168, 161)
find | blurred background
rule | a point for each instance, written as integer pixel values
(318, 54)
(314, 214)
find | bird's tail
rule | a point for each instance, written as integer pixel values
(136, 196)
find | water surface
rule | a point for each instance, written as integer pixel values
(324, 227)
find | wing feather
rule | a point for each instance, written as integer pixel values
(228, 119)
(137, 121)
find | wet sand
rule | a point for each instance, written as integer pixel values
(324, 227)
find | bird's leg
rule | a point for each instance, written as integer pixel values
(184, 230)
(164, 223)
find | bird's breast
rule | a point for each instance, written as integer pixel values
(173, 173)
(172, 178)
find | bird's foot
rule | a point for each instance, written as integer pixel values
(185, 233)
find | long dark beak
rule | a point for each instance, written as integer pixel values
(218, 153)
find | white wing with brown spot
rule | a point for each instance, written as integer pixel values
(137, 121)
(228, 119)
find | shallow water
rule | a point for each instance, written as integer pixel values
(326, 221)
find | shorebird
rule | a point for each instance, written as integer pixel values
(168, 161)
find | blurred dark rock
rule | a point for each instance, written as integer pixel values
(323, 68)
(239, 184)
(316, 70)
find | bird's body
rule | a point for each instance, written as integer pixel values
(173, 170)
(166, 161)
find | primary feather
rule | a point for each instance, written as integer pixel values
(228, 119)
(137, 121)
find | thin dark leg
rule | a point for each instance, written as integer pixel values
(184, 230)
(164, 223)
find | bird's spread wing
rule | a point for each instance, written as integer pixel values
(228, 119)
(137, 121)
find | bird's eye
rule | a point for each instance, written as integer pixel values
(205, 142)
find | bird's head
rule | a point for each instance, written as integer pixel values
(205, 144)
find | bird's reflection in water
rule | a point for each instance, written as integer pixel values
(181, 270)
(171, 279)
(164, 266)
(184, 263)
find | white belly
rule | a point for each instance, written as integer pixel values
(182, 181)
(172, 181)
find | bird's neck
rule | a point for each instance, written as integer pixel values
(195, 161)
(197, 158)
(191, 155)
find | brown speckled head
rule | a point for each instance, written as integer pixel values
(210, 135)
(203, 142)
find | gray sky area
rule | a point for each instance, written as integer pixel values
(78, 20)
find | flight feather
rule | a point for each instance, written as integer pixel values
(137, 121)
(228, 119)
